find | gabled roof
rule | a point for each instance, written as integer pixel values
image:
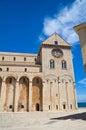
(50, 42)
(55, 37)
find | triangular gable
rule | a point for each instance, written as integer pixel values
(55, 37)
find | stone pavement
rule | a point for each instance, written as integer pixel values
(72, 120)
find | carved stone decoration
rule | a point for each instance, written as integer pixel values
(57, 53)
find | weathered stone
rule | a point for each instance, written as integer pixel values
(38, 82)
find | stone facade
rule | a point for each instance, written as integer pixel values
(38, 82)
(81, 31)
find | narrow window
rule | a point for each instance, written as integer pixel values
(7, 69)
(25, 69)
(37, 107)
(64, 64)
(64, 106)
(49, 107)
(14, 58)
(2, 58)
(56, 107)
(24, 58)
(70, 106)
(22, 106)
(52, 64)
(35, 59)
(0, 69)
(56, 42)
(10, 106)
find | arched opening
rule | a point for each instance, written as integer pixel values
(23, 101)
(0, 85)
(52, 64)
(10, 94)
(37, 94)
(64, 64)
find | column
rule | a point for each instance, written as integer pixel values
(51, 95)
(66, 85)
(3, 95)
(59, 96)
(44, 105)
(74, 91)
(16, 97)
(30, 96)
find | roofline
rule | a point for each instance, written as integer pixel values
(17, 54)
(79, 27)
(55, 34)
(57, 46)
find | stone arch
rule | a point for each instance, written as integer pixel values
(66, 78)
(10, 93)
(37, 94)
(0, 85)
(23, 100)
(10, 75)
(51, 78)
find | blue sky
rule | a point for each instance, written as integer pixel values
(24, 24)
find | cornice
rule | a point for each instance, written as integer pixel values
(54, 46)
(19, 64)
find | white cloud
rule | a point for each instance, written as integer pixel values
(83, 82)
(41, 38)
(64, 21)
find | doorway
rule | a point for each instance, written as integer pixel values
(37, 107)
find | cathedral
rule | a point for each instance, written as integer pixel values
(38, 82)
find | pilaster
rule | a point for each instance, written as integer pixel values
(44, 97)
(16, 97)
(3, 95)
(30, 96)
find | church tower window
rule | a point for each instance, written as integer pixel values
(52, 64)
(56, 42)
(64, 64)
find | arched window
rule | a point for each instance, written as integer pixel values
(64, 64)
(52, 64)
